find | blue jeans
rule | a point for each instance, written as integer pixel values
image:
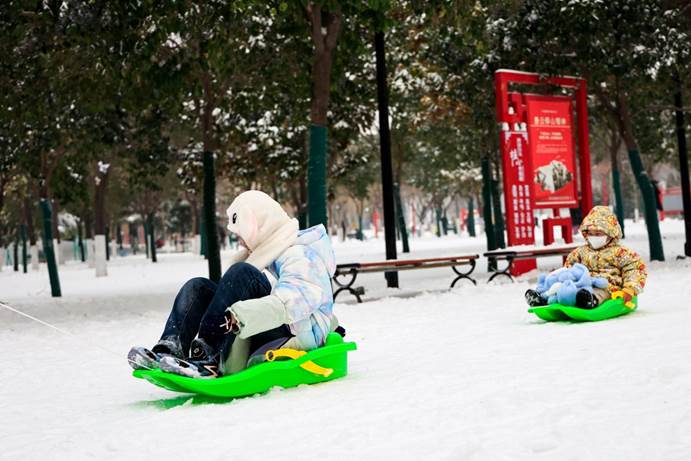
(200, 306)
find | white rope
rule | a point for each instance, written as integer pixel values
(17, 311)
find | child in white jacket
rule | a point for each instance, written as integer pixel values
(243, 312)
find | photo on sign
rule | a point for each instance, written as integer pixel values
(553, 176)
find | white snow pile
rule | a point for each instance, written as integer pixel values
(465, 374)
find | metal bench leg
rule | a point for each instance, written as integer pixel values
(464, 275)
(348, 286)
(506, 271)
(355, 292)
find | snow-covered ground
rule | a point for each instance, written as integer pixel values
(465, 374)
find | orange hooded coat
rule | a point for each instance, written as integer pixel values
(623, 268)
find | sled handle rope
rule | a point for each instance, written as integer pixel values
(309, 365)
(64, 332)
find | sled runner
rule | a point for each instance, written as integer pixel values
(282, 368)
(607, 310)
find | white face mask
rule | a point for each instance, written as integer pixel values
(597, 241)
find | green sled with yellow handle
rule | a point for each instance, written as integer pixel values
(607, 310)
(283, 368)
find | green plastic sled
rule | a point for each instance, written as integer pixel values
(607, 310)
(258, 379)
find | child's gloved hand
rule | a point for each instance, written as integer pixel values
(627, 295)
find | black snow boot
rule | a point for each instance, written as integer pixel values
(585, 299)
(192, 368)
(141, 358)
(203, 362)
(534, 298)
(200, 349)
(169, 346)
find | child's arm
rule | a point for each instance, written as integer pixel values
(573, 258)
(633, 271)
(303, 285)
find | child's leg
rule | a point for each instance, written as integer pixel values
(241, 282)
(601, 295)
(190, 304)
(590, 300)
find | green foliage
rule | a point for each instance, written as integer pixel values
(148, 86)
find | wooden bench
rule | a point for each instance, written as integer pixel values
(510, 255)
(353, 269)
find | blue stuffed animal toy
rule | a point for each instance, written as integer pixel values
(560, 286)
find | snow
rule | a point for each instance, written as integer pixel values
(438, 374)
(103, 167)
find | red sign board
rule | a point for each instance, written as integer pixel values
(517, 193)
(538, 131)
(552, 153)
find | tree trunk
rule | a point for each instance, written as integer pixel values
(24, 252)
(100, 202)
(29, 220)
(48, 248)
(490, 232)
(471, 217)
(385, 155)
(56, 211)
(316, 177)
(80, 233)
(5, 236)
(55, 208)
(321, 75)
(401, 219)
(99, 243)
(48, 222)
(212, 249)
(644, 183)
(15, 255)
(107, 235)
(88, 223)
(615, 143)
(134, 237)
(147, 247)
(194, 207)
(324, 47)
(209, 193)
(203, 239)
(151, 237)
(89, 234)
(683, 163)
(498, 218)
(119, 236)
(3, 181)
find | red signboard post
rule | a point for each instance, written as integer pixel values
(538, 155)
